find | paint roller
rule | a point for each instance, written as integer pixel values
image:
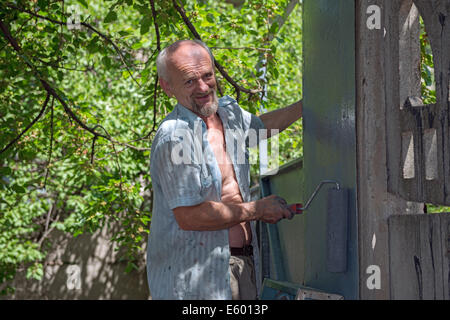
(337, 212)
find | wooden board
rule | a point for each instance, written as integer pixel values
(419, 256)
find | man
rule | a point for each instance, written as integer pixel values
(202, 242)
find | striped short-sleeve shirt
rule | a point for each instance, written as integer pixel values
(194, 264)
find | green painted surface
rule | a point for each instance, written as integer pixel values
(329, 134)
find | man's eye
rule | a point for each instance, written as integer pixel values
(189, 82)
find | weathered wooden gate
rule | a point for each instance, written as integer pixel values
(403, 151)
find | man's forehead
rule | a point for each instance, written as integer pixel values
(189, 50)
(189, 54)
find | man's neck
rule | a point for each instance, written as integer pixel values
(213, 121)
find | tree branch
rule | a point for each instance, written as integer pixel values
(47, 228)
(52, 91)
(158, 48)
(51, 143)
(219, 67)
(158, 36)
(92, 149)
(241, 48)
(102, 35)
(44, 106)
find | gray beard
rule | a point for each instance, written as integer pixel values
(207, 111)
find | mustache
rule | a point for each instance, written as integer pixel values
(198, 95)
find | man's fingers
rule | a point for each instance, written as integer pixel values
(291, 214)
(288, 213)
(277, 210)
(282, 201)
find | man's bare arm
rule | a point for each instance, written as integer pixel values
(282, 118)
(213, 216)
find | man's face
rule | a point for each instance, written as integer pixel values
(191, 80)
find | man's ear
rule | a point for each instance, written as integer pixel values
(166, 87)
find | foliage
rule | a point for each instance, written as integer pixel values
(84, 103)
(427, 67)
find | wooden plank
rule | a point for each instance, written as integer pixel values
(410, 121)
(409, 51)
(431, 258)
(417, 259)
(410, 86)
(392, 94)
(445, 245)
(403, 244)
(433, 154)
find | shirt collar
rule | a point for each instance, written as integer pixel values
(187, 114)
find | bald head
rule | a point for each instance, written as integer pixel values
(165, 59)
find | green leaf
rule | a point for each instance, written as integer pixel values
(110, 17)
(43, 4)
(36, 271)
(130, 267)
(5, 171)
(26, 155)
(92, 47)
(210, 17)
(83, 3)
(136, 46)
(145, 25)
(124, 33)
(125, 74)
(18, 189)
(273, 28)
(106, 61)
(276, 74)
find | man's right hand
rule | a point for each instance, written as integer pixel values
(272, 209)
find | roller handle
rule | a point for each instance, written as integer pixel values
(296, 207)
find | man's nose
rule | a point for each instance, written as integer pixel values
(203, 86)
